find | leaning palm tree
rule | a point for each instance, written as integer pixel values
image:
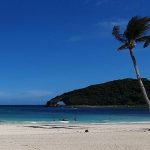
(136, 32)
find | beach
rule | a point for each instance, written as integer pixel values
(73, 136)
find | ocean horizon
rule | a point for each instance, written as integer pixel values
(52, 115)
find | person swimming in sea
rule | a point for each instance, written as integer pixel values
(75, 119)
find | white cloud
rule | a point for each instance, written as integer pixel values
(23, 94)
(87, 1)
(104, 28)
(101, 2)
(101, 29)
(95, 2)
(75, 38)
(110, 24)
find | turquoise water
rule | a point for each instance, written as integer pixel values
(41, 114)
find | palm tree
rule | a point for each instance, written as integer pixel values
(136, 32)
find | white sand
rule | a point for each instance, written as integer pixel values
(73, 137)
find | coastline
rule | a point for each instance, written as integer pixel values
(72, 123)
(101, 106)
(73, 136)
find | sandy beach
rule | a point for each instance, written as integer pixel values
(73, 137)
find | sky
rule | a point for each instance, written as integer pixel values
(48, 47)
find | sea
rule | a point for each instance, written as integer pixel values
(53, 115)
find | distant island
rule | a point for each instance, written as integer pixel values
(118, 92)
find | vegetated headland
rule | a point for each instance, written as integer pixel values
(125, 92)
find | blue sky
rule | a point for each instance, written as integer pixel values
(53, 46)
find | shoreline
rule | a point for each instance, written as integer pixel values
(71, 123)
(84, 106)
(99, 106)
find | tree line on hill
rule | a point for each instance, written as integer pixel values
(118, 92)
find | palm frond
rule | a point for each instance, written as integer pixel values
(137, 27)
(146, 44)
(125, 46)
(143, 39)
(116, 33)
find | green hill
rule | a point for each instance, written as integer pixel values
(118, 92)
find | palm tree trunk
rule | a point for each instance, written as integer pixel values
(139, 78)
